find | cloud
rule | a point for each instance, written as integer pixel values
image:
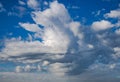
(46, 3)
(117, 31)
(2, 9)
(74, 27)
(58, 68)
(18, 69)
(30, 27)
(90, 46)
(17, 11)
(59, 45)
(116, 54)
(45, 63)
(56, 35)
(21, 2)
(33, 4)
(101, 25)
(113, 14)
(17, 48)
(27, 68)
(73, 7)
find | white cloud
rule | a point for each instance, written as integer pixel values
(49, 16)
(118, 24)
(116, 55)
(58, 37)
(55, 34)
(17, 11)
(113, 14)
(58, 68)
(33, 4)
(27, 68)
(30, 27)
(46, 3)
(101, 25)
(74, 27)
(18, 47)
(18, 69)
(45, 63)
(56, 56)
(2, 9)
(21, 2)
(90, 46)
(117, 31)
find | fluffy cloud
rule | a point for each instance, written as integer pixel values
(62, 46)
(74, 27)
(33, 4)
(101, 25)
(58, 31)
(113, 14)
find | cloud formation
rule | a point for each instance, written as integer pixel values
(59, 45)
(2, 9)
(101, 25)
(113, 14)
(33, 4)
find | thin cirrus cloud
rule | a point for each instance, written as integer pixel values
(2, 9)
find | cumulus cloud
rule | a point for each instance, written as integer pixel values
(56, 35)
(60, 45)
(33, 4)
(101, 25)
(74, 27)
(113, 14)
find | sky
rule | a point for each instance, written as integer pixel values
(59, 40)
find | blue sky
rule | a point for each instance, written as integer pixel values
(77, 39)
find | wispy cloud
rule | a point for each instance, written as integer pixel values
(2, 9)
